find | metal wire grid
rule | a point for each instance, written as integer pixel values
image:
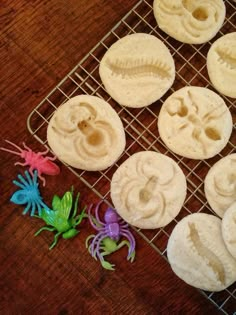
(141, 124)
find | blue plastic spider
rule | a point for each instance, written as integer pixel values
(29, 194)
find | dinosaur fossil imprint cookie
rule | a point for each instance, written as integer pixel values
(198, 255)
(195, 122)
(229, 229)
(220, 184)
(137, 70)
(148, 190)
(191, 21)
(86, 133)
(221, 64)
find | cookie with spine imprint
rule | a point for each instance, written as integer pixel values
(86, 133)
(137, 70)
(197, 253)
(220, 184)
(229, 229)
(191, 21)
(195, 122)
(148, 190)
(221, 64)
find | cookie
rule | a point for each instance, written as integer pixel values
(229, 229)
(191, 22)
(86, 133)
(220, 184)
(148, 190)
(195, 122)
(197, 253)
(221, 64)
(137, 70)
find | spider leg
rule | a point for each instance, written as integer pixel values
(23, 180)
(27, 208)
(97, 215)
(95, 242)
(131, 239)
(55, 240)
(88, 239)
(33, 208)
(91, 220)
(44, 228)
(19, 184)
(27, 174)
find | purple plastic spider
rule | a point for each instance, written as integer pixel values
(109, 234)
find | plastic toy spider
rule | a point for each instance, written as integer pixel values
(109, 234)
(29, 194)
(60, 219)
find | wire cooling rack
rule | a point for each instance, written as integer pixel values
(141, 124)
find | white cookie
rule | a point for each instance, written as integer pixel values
(86, 133)
(221, 64)
(197, 253)
(195, 122)
(191, 21)
(148, 190)
(137, 70)
(229, 229)
(220, 184)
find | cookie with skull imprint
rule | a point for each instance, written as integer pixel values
(197, 253)
(137, 70)
(195, 123)
(86, 133)
(220, 184)
(148, 190)
(221, 64)
(229, 229)
(191, 21)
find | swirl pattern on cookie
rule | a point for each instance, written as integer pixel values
(195, 122)
(220, 184)
(221, 64)
(137, 70)
(86, 133)
(190, 21)
(197, 253)
(148, 190)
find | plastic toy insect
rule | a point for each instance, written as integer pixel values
(62, 219)
(36, 161)
(109, 234)
(29, 194)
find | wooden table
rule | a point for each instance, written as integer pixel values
(40, 42)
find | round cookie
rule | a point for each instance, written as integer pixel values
(197, 253)
(220, 184)
(221, 64)
(86, 133)
(191, 22)
(148, 190)
(195, 122)
(229, 229)
(137, 70)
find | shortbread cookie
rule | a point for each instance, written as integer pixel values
(191, 22)
(220, 184)
(137, 70)
(195, 122)
(229, 229)
(198, 255)
(221, 64)
(86, 133)
(148, 190)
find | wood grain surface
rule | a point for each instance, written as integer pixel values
(40, 42)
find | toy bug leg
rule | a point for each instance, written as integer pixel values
(44, 152)
(21, 163)
(42, 179)
(131, 256)
(26, 147)
(44, 228)
(105, 264)
(55, 240)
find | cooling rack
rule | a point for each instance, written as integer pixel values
(141, 124)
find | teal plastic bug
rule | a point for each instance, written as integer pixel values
(62, 219)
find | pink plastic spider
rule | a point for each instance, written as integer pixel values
(36, 161)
